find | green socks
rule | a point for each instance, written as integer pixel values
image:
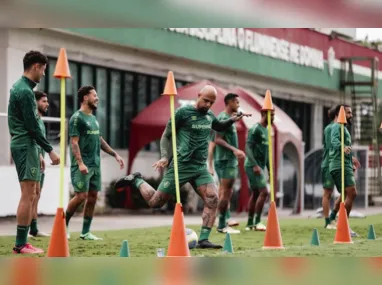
(333, 215)
(137, 182)
(33, 229)
(204, 233)
(228, 214)
(327, 221)
(68, 216)
(86, 225)
(222, 221)
(250, 221)
(22, 235)
(258, 219)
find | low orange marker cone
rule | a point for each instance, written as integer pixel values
(342, 116)
(273, 238)
(267, 105)
(178, 245)
(170, 87)
(58, 245)
(62, 67)
(343, 232)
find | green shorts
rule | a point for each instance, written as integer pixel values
(349, 178)
(85, 182)
(194, 177)
(256, 181)
(226, 172)
(27, 161)
(42, 180)
(327, 180)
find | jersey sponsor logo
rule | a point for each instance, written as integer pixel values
(194, 126)
(95, 132)
(193, 118)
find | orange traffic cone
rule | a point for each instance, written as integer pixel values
(178, 245)
(24, 270)
(62, 67)
(170, 87)
(273, 238)
(341, 116)
(343, 232)
(58, 246)
(267, 104)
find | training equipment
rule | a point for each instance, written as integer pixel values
(371, 234)
(124, 251)
(192, 238)
(315, 238)
(343, 229)
(228, 248)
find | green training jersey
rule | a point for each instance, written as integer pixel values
(326, 145)
(257, 147)
(86, 127)
(43, 129)
(224, 155)
(23, 118)
(193, 134)
(335, 148)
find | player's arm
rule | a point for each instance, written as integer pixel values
(74, 144)
(31, 122)
(249, 146)
(335, 142)
(106, 148)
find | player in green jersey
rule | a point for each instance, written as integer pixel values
(86, 143)
(256, 150)
(211, 169)
(26, 136)
(335, 164)
(226, 157)
(327, 180)
(193, 129)
(42, 108)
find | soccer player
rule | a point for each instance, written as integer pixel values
(256, 149)
(193, 126)
(335, 164)
(42, 108)
(327, 180)
(86, 143)
(211, 169)
(26, 136)
(226, 161)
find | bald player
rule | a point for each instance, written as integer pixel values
(193, 128)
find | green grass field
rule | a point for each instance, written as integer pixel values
(296, 235)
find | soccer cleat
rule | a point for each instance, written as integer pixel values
(89, 236)
(353, 234)
(127, 180)
(228, 230)
(67, 233)
(260, 227)
(37, 235)
(232, 223)
(331, 226)
(27, 249)
(207, 244)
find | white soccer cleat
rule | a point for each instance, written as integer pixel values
(232, 223)
(260, 227)
(228, 230)
(39, 234)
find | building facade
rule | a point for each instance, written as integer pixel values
(128, 67)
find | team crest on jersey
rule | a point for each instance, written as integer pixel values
(33, 171)
(88, 123)
(193, 118)
(208, 117)
(166, 184)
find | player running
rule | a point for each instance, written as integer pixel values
(226, 161)
(193, 125)
(86, 143)
(26, 136)
(256, 150)
(335, 164)
(327, 180)
(42, 108)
